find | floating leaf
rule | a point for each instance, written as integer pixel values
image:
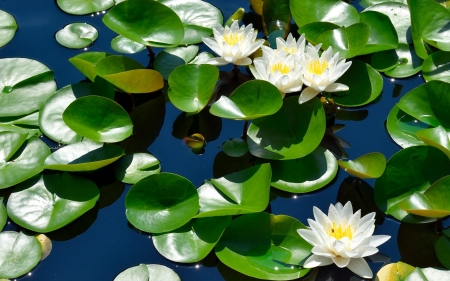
(442, 248)
(129, 75)
(170, 58)
(251, 100)
(242, 192)
(436, 137)
(134, 167)
(149, 272)
(193, 241)
(83, 156)
(147, 22)
(361, 91)
(264, 246)
(382, 34)
(8, 27)
(99, 119)
(409, 170)
(3, 214)
(19, 253)
(77, 35)
(24, 83)
(348, 41)
(170, 203)
(46, 245)
(385, 60)
(86, 62)
(428, 274)
(437, 67)
(84, 7)
(198, 18)
(313, 30)
(394, 272)
(333, 11)
(293, 132)
(48, 202)
(191, 86)
(408, 62)
(305, 174)
(122, 44)
(371, 165)
(235, 147)
(196, 142)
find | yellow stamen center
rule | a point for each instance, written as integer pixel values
(284, 69)
(233, 38)
(290, 50)
(338, 232)
(317, 67)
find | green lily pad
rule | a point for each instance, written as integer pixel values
(442, 248)
(264, 246)
(193, 241)
(129, 75)
(22, 158)
(428, 274)
(251, 100)
(403, 127)
(368, 166)
(293, 132)
(147, 22)
(429, 23)
(24, 83)
(313, 30)
(235, 147)
(385, 60)
(363, 90)
(394, 272)
(149, 272)
(86, 62)
(3, 214)
(99, 119)
(170, 58)
(170, 203)
(8, 28)
(374, 2)
(84, 7)
(436, 137)
(48, 202)
(51, 114)
(198, 18)
(29, 131)
(202, 58)
(28, 120)
(409, 170)
(246, 191)
(83, 156)
(19, 254)
(122, 44)
(408, 62)
(333, 11)
(400, 17)
(134, 167)
(305, 174)
(77, 35)
(191, 86)
(348, 41)
(383, 35)
(437, 67)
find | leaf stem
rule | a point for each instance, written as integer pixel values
(152, 56)
(244, 132)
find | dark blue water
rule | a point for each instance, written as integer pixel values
(101, 244)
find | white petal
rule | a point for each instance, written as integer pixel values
(255, 72)
(217, 61)
(336, 87)
(309, 236)
(307, 94)
(365, 251)
(320, 217)
(212, 44)
(333, 213)
(341, 261)
(354, 221)
(360, 267)
(377, 240)
(318, 229)
(243, 61)
(322, 251)
(338, 246)
(366, 218)
(315, 260)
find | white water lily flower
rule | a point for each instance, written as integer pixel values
(233, 44)
(320, 73)
(342, 238)
(279, 68)
(291, 46)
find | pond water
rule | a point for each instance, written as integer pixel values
(102, 243)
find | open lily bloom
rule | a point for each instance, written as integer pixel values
(342, 238)
(292, 46)
(233, 44)
(320, 73)
(279, 68)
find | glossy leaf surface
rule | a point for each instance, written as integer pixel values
(84, 7)
(161, 202)
(436, 137)
(264, 246)
(246, 191)
(251, 100)
(437, 67)
(408, 63)
(305, 174)
(77, 35)
(191, 86)
(8, 28)
(19, 253)
(147, 22)
(149, 272)
(134, 167)
(99, 119)
(193, 241)
(235, 147)
(394, 272)
(170, 58)
(371, 165)
(122, 44)
(293, 132)
(48, 202)
(403, 127)
(86, 62)
(442, 248)
(382, 34)
(313, 30)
